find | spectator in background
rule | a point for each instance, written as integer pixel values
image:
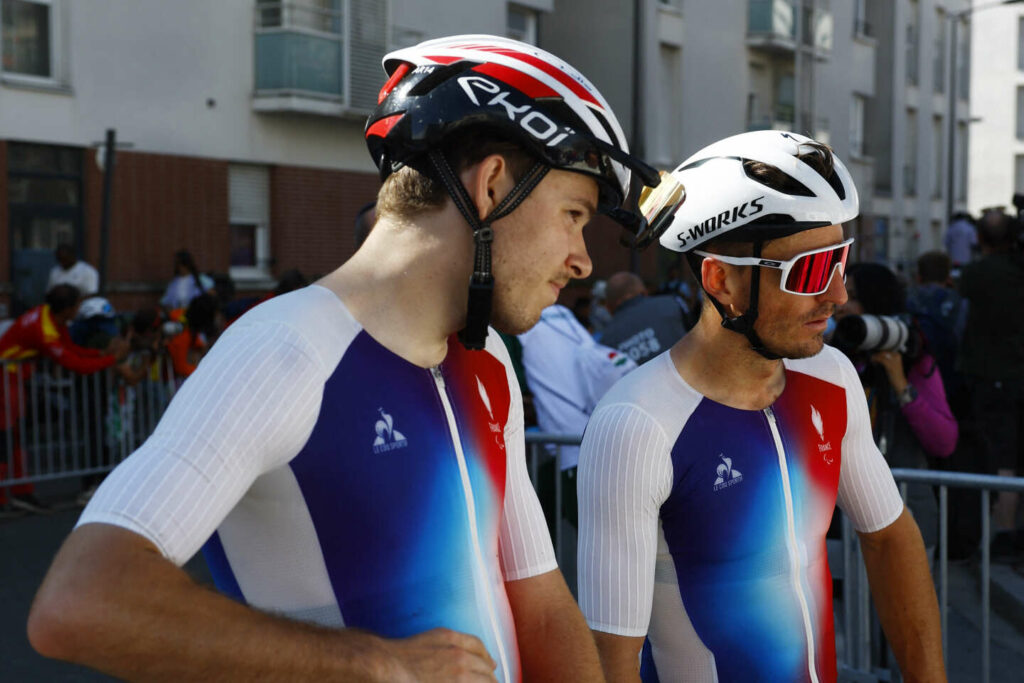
(992, 361)
(567, 373)
(911, 418)
(642, 326)
(71, 271)
(366, 217)
(41, 331)
(961, 239)
(201, 322)
(941, 313)
(187, 284)
(599, 315)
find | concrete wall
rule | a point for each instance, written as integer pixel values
(994, 82)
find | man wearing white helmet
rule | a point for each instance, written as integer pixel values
(351, 455)
(708, 477)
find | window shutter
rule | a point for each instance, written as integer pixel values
(249, 192)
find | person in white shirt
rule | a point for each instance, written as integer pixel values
(188, 282)
(568, 373)
(70, 271)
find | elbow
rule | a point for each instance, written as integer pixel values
(61, 623)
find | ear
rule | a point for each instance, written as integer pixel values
(721, 281)
(487, 182)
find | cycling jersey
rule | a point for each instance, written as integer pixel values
(703, 527)
(346, 485)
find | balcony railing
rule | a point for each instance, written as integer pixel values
(318, 60)
(772, 24)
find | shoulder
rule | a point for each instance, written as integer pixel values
(311, 319)
(654, 390)
(829, 364)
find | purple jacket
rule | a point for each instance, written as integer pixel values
(929, 415)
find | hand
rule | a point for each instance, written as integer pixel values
(892, 363)
(439, 655)
(118, 347)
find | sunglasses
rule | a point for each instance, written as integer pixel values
(806, 274)
(658, 206)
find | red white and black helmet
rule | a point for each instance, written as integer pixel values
(542, 102)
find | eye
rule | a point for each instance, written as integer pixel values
(576, 215)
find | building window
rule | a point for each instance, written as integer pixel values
(668, 117)
(962, 161)
(910, 161)
(857, 126)
(912, 41)
(1020, 112)
(249, 240)
(1020, 43)
(937, 160)
(27, 38)
(522, 24)
(939, 58)
(861, 27)
(1018, 175)
(963, 63)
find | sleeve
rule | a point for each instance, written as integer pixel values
(867, 491)
(76, 358)
(929, 415)
(625, 474)
(92, 280)
(248, 409)
(599, 367)
(525, 544)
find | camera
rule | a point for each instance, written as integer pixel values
(871, 333)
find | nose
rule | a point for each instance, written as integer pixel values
(836, 292)
(579, 262)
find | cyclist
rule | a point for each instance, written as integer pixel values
(352, 453)
(708, 477)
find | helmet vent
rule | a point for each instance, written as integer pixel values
(440, 75)
(775, 178)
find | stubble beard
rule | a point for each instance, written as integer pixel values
(776, 337)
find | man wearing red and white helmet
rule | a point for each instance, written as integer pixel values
(351, 455)
(708, 477)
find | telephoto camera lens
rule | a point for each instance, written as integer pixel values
(871, 333)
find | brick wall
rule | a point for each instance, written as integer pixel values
(311, 216)
(161, 204)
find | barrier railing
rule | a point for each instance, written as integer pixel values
(55, 423)
(859, 657)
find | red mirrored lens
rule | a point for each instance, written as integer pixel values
(812, 273)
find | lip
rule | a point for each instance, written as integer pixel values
(817, 325)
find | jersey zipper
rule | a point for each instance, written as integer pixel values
(792, 544)
(467, 492)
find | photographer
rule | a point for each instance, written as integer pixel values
(911, 418)
(992, 360)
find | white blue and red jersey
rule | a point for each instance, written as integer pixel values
(332, 481)
(702, 527)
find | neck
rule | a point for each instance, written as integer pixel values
(408, 284)
(720, 365)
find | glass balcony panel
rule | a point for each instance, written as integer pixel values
(293, 61)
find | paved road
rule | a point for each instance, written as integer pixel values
(27, 545)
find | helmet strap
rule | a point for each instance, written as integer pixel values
(481, 285)
(744, 324)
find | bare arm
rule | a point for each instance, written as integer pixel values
(901, 585)
(112, 602)
(620, 657)
(554, 641)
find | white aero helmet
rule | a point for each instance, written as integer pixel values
(723, 198)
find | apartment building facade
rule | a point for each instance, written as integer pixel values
(239, 126)
(997, 108)
(870, 77)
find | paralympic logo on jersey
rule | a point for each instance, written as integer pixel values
(824, 447)
(388, 438)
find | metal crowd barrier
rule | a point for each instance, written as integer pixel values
(55, 423)
(858, 660)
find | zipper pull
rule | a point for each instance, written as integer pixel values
(436, 372)
(771, 415)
